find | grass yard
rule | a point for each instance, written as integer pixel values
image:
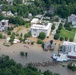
(74, 29)
(27, 25)
(64, 33)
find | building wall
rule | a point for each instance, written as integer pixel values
(35, 32)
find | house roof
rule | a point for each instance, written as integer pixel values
(38, 26)
(35, 20)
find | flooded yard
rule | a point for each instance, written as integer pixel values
(35, 54)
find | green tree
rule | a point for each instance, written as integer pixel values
(1, 36)
(39, 41)
(22, 53)
(42, 35)
(20, 38)
(48, 73)
(66, 38)
(26, 54)
(53, 26)
(61, 38)
(56, 36)
(71, 39)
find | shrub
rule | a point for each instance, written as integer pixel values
(42, 35)
(61, 38)
(43, 45)
(4, 37)
(39, 41)
(20, 38)
(27, 35)
(32, 42)
(57, 31)
(26, 54)
(66, 38)
(56, 36)
(47, 36)
(9, 33)
(53, 26)
(71, 40)
(1, 36)
(17, 34)
(10, 28)
(22, 53)
(71, 66)
(60, 27)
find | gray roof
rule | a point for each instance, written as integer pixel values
(48, 45)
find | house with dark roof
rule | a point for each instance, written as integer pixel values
(49, 45)
(51, 10)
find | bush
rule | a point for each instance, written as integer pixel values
(42, 35)
(43, 45)
(71, 67)
(71, 40)
(32, 42)
(27, 35)
(1, 36)
(61, 38)
(53, 26)
(39, 41)
(17, 34)
(56, 36)
(9, 33)
(60, 27)
(26, 54)
(57, 31)
(66, 38)
(10, 28)
(22, 53)
(4, 37)
(20, 38)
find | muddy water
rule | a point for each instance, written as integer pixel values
(35, 54)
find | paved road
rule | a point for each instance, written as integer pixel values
(56, 27)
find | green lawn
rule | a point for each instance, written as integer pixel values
(27, 25)
(74, 29)
(64, 33)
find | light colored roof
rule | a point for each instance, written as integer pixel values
(37, 26)
(38, 16)
(68, 43)
(4, 20)
(35, 20)
(72, 53)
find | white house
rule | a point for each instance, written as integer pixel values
(72, 19)
(34, 21)
(36, 29)
(7, 13)
(69, 48)
(68, 52)
(3, 25)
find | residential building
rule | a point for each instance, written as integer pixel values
(51, 10)
(3, 25)
(68, 52)
(37, 28)
(49, 45)
(69, 48)
(7, 14)
(72, 19)
(39, 16)
(34, 21)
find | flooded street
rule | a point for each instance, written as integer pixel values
(35, 54)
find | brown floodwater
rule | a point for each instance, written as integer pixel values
(35, 54)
